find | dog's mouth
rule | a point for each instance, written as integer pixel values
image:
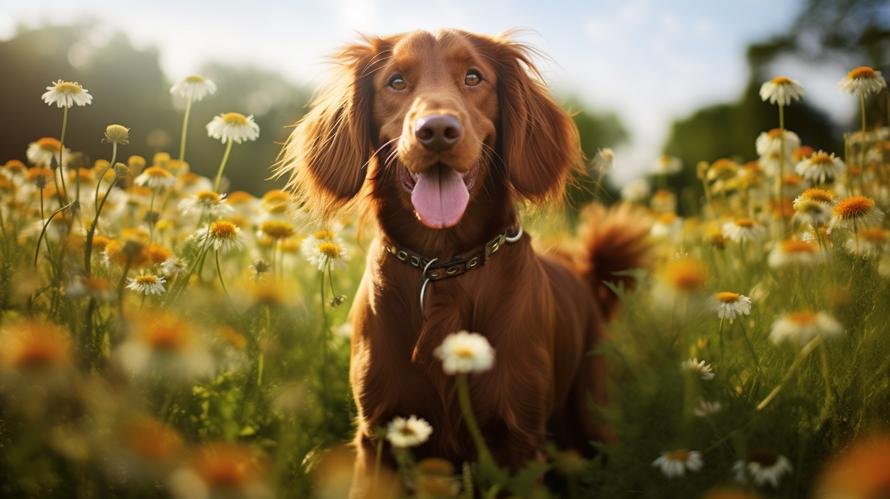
(440, 194)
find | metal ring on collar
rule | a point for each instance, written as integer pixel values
(513, 239)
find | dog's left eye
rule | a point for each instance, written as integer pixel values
(473, 78)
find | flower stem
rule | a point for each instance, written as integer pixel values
(801, 356)
(220, 274)
(862, 113)
(781, 174)
(88, 245)
(466, 407)
(185, 124)
(222, 166)
(61, 152)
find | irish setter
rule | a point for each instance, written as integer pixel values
(441, 136)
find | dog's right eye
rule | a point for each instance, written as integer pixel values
(397, 82)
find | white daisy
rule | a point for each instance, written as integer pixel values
(45, 152)
(155, 177)
(781, 90)
(667, 165)
(67, 94)
(771, 142)
(221, 235)
(193, 88)
(635, 191)
(796, 252)
(173, 266)
(730, 305)
(707, 408)
(856, 212)
(869, 242)
(802, 326)
(863, 81)
(147, 284)
(322, 249)
(163, 345)
(205, 202)
(464, 352)
(233, 126)
(676, 463)
(820, 168)
(698, 367)
(744, 230)
(762, 467)
(410, 432)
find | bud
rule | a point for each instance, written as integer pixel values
(117, 134)
(136, 162)
(121, 171)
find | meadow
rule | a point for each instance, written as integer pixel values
(164, 336)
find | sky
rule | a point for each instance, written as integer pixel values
(648, 61)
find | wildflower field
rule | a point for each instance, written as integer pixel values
(162, 335)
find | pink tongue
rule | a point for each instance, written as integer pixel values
(440, 197)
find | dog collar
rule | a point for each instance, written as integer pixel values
(433, 269)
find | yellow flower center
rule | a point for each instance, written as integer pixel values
(238, 197)
(146, 280)
(277, 229)
(822, 158)
(802, 318)
(323, 234)
(157, 172)
(37, 346)
(222, 229)
(875, 235)
(775, 133)
(152, 440)
(276, 196)
(854, 207)
(678, 455)
(235, 119)
(686, 275)
(464, 352)
(667, 218)
(194, 79)
(819, 195)
(68, 87)
(727, 297)
(207, 197)
(862, 72)
(49, 144)
(781, 80)
(167, 335)
(227, 467)
(330, 249)
(798, 246)
(746, 223)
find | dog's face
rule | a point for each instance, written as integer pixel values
(437, 114)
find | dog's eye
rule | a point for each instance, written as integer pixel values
(397, 82)
(473, 78)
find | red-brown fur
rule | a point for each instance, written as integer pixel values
(542, 315)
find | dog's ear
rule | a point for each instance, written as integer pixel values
(537, 139)
(326, 156)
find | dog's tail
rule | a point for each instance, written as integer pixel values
(615, 240)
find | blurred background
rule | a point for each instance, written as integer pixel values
(645, 77)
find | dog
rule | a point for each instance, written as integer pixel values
(440, 136)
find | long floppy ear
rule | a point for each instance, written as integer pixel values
(326, 155)
(536, 138)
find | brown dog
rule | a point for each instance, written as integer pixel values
(443, 134)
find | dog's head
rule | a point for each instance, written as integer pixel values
(439, 113)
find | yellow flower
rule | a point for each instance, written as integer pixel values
(863, 80)
(67, 94)
(856, 211)
(34, 346)
(277, 229)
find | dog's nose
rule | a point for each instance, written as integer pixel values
(438, 132)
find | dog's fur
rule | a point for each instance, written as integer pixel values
(543, 315)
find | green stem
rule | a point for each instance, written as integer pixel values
(61, 152)
(88, 245)
(781, 174)
(466, 407)
(862, 114)
(222, 166)
(220, 274)
(185, 124)
(801, 356)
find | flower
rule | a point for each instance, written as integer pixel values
(762, 467)
(222, 235)
(863, 81)
(34, 346)
(706, 408)
(795, 252)
(699, 367)
(173, 267)
(859, 472)
(144, 446)
(162, 344)
(855, 212)
(44, 151)
(67, 94)
(730, 305)
(771, 142)
(464, 352)
(193, 88)
(743, 230)
(820, 167)
(666, 165)
(277, 229)
(409, 432)
(222, 470)
(677, 462)
(635, 190)
(868, 242)
(804, 325)
(147, 284)
(322, 249)
(117, 134)
(233, 126)
(156, 177)
(813, 207)
(206, 201)
(781, 90)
